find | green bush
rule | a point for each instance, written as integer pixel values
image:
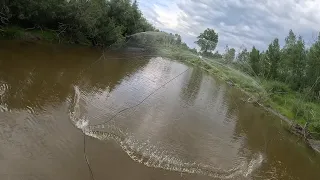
(11, 33)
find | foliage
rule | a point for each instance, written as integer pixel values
(229, 54)
(273, 55)
(217, 55)
(293, 65)
(313, 68)
(290, 76)
(294, 61)
(243, 56)
(99, 21)
(254, 58)
(208, 40)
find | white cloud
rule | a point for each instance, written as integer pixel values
(238, 22)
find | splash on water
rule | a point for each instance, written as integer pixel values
(254, 164)
(154, 156)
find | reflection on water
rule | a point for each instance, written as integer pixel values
(194, 127)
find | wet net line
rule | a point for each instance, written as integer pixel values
(119, 112)
(86, 157)
(144, 99)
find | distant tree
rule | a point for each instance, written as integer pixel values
(207, 40)
(207, 54)
(178, 39)
(287, 55)
(230, 54)
(254, 59)
(243, 56)
(313, 67)
(293, 61)
(217, 55)
(184, 46)
(194, 50)
(299, 69)
(242, 60)
(265, 64)
(273, 54)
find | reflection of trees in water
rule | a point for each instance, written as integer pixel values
(39, 77)
(191, 87)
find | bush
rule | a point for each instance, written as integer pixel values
(11, 33)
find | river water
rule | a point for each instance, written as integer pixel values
(143, 117)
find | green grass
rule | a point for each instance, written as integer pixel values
(11, 33)
(14, 32)
(17, 33)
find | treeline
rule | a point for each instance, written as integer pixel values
(99, 22)
(285, 78)
(293, 64)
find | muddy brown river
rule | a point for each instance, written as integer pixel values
(68, 113)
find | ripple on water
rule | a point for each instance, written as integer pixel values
(3, 89)
(155, 156)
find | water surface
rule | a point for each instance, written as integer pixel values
(143, 117)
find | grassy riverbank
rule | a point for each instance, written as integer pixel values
(38, 35)
(278, 96)
(17, 33)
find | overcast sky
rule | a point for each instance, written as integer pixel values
(238, 22)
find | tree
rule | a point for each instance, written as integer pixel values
(217, 55)
(298, 65)
(178, 39)
(4, 13)
(208, 40)
(313, 72)
(242, 60)
(243, 56)
(293, 61)
(265, 64)
(229, 54)
(254, 59)
(194, 50)
(288, 55)
(273, 54)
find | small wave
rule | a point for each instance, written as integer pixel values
(3, 88)
(254, 164)
(154, 156)
(4, 108)
(30, 110)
